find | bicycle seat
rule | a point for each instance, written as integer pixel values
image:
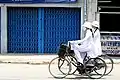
(90, 65)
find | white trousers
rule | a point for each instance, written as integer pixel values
(80, 51)
(79, 56)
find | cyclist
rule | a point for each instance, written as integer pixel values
(84, 45)
(95, 26)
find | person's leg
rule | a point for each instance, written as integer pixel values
(80, 66)
(78, 56)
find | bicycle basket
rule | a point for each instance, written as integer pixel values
(62, 50)
(71, 52)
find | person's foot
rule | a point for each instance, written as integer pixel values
(79, 64)
(79, 67)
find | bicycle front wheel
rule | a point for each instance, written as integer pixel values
(73, 64)
(57, 65)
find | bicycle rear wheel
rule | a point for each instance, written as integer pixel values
(57, 65)
(109, 63)
(94, 65)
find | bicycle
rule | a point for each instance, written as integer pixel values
(109, 63)
(66, 58)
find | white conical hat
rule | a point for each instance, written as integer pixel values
(87, 25)
(95, 24)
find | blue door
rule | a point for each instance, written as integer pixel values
(22, 30)
(0, 30)
(41, 30)
(60, 25)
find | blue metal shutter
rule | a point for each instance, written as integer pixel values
(0, 30)
(60, 25)
(22, 30)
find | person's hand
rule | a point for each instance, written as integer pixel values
(71, 42)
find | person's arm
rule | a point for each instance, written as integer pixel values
(88, 34)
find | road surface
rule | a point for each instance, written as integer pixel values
(40, 72)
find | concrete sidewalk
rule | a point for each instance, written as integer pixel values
(26, 59)
(34, 59)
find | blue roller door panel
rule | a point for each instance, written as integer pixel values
(41, 30)
(0, 30)
(22, 30)
(60, 25)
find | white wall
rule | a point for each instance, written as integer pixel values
(91, 10)
(3, 29)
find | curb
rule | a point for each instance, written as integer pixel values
(44, 62)
(26, 62)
